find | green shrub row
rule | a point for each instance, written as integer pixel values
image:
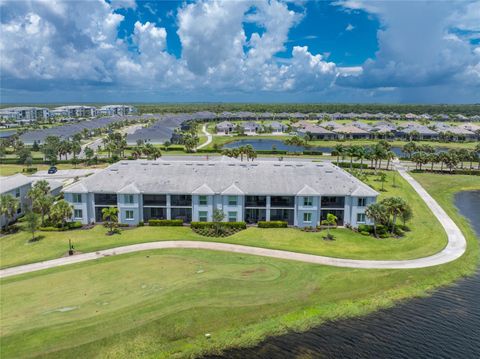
(165, 222)
(272, 224)
(347, 165)
(234, 225)
(68, 226)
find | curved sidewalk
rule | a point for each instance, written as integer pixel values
(209, 138)
(455, 248)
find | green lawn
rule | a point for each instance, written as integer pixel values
(427, 237)
(11, 169)
(162, 303)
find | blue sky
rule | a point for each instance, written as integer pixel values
(259, 51)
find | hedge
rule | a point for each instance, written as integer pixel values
(235, 225)
(347, 165)
(165, 222)
(272, 224)
(68, 226)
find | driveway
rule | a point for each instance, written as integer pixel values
(456, 246)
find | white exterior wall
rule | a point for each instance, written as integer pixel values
(355, 209)
(196, 207)
(24, 202)
(123, 207)
(314, 209)
(83, 206)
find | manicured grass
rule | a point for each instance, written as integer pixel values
(162, 303)
(427, 237)
(8, 170)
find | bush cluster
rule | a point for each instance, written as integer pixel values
(165, 222)
(383, 231)
(217, 229)
(68, 226)
(235, 225)
(272, 224)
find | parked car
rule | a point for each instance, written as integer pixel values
(52, 170)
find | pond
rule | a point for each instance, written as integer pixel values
(269, 144)
(444, 325)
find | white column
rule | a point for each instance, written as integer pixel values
(169, 209)
(267, 216)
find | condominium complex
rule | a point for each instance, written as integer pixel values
(300, 193)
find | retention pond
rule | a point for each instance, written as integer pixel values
(444, 325)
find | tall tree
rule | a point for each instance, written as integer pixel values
(110, 218)
(61, 212)
(378, 214)
(41, 199)
(8, 207)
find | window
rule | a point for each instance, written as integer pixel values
(307, 217)
(307, 201)
(129, 215)
(129, 198)
(202, 200)
(232, 200)
(77, 198)
(203, 216)
(232, 216)
(78, 213)
(362, 201)
(17, 192)
(360, 217)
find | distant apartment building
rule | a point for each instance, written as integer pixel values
(24, 114)
(116, 110)
(76, 111)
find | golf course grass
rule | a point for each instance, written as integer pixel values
(163, 303)
(425, 238)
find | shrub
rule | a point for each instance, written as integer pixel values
(329, 237)
(234, 225)
(140, 224)
(384, 235)
(165, 222)
(365, 228)
(364, 233)
(68, 226)
(398, 232)
(404, 227)
(272, 224)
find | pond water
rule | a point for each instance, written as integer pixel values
(269, 144)
(444, 325)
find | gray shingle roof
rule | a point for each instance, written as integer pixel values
(252, 178)
(11, 182)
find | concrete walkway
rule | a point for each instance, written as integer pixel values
(209, 137)
(455, 248)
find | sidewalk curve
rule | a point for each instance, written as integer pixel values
(455, 248)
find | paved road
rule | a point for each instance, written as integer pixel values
(455, 248)
(209, 137)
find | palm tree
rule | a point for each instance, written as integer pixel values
(389, 155)
(409, 149)
(351, 151)
(377, 213)
(41, 199)
(61, 212)
(329, 222)
(110, 218)
(339, 150)
(395, 206)
(8, 207)
(360, 155)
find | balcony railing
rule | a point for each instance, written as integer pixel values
(255, 201)
(105, 199)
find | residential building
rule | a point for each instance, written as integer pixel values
(18, 186)
(24, 114)
(225, 127)
(316, 132)
(300, 193)
(116, 110)
(251, 127)
(351, 132)
(76, 111)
